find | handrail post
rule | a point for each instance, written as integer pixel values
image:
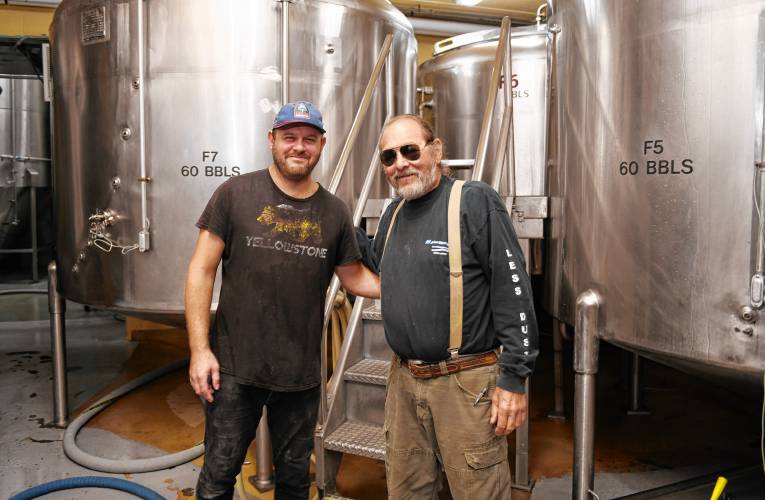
(491, 100)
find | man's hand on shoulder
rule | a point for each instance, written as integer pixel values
(204, 374)
(508, 411)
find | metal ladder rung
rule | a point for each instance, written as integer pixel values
(368, 371)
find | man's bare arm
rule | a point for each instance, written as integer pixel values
(359, 280)
(204, 371)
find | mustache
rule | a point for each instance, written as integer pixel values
(410, 171)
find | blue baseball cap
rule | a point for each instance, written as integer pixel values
(299, 112)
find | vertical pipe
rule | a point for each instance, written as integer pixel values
(264, 477)
(636, 406)
(585, 367)
(505, 156)
(143, 236)
(558, 412)
(285, 51)
(57, 311)
(390, 108)
(521, 476)
(33, 225)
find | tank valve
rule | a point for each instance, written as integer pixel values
(748, 314)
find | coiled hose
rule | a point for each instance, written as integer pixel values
(70, 483)
(125, 466)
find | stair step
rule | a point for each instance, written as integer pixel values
(369, 371)
(358, 438)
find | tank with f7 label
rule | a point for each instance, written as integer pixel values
(658, 165)
(209, 167)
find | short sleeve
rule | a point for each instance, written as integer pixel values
(215, 218)
(348, 248)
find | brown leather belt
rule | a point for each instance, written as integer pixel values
(420, 369)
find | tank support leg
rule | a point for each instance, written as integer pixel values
(33, 226)
(558, 413)
(57, 310)
(636, 388)
(264, 477)
(586, 344)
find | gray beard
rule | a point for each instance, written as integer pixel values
(422, 186)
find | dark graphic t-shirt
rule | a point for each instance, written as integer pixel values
(278, 260)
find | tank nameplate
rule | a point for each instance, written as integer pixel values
(94, 25)
(210, 166)
(654, 162)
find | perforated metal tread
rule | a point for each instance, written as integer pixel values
(368, 371)
(372, 313)
(358, 438)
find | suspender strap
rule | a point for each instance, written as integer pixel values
(390, 226)
(455, 268)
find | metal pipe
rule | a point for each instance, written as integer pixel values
(286, 51)
(264, 470)
(57, 311)
(585, 367)
(360, 114)
(488, 113)
(558, 413)
(757, 282)
(23, 159)
(390, 103)
(521, 476)
(636, 406)
(443, 28)
(506, 147)
(143, 236)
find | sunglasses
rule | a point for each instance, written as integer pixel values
(411, 152)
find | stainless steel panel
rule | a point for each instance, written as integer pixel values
(459, 77)
(660, 122)
(212, 86)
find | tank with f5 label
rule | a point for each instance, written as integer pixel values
(210, 166)
(655, 162)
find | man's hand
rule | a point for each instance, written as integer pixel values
(508, 411)
(204, 369)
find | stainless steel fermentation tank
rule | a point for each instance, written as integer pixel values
(656, 197)
(212, 74)
(24, 165)
(454, 84)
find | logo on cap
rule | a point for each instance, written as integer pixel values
(301, 111)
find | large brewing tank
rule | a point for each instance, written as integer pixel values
(211, 88)
(454, 85)
(655, 198)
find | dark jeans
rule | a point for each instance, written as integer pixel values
(232, 419)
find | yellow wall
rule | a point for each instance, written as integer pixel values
(425, 44)
(23, 21)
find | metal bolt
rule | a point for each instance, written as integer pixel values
(136, 83)
(116, 182)
(747, 314)
(125, 133)
(329, 48)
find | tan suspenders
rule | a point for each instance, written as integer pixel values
(455, 263)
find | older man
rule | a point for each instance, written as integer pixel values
(280, 236)
(457, 310)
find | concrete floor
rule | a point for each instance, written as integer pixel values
(693, 429)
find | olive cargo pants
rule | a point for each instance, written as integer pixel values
(443, 419)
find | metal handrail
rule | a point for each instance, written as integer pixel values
(360, 114)
(506, 146)
(488, 114)
(334, 285)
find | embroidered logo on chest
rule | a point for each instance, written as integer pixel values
(437, 247)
